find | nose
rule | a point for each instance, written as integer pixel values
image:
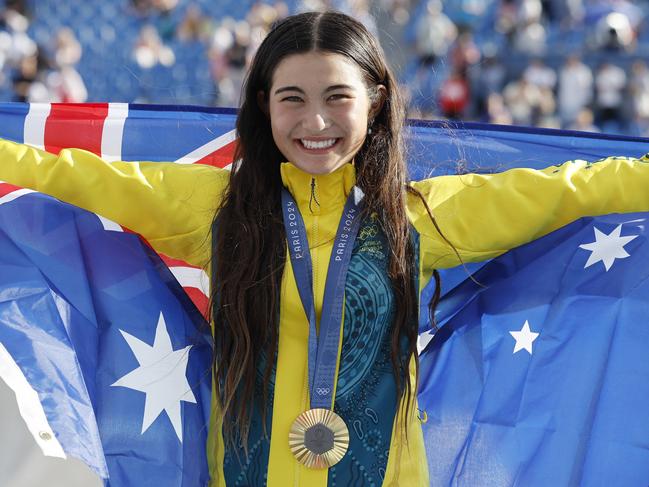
(315, 121)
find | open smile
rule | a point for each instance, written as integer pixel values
(318, 146)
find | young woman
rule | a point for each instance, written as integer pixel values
(317, 263)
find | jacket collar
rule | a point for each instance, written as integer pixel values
(317, 194)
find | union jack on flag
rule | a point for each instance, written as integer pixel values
(119, 131)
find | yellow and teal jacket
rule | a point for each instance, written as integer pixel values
(483, 216)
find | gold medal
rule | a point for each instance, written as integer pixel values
(319, 438)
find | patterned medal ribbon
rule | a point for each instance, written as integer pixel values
(319, 438)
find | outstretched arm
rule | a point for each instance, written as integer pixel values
(484, 216)
(170, 205)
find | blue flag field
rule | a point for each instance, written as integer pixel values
(116, 353)
(538, 375)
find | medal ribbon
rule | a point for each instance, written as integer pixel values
(323, 346)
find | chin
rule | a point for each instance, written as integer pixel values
(319, 168)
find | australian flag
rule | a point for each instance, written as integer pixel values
(107, 356)
(537, 376)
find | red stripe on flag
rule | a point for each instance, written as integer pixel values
(220, 157)
(197, 296)
(171, 262)
(199, 299)
(6, 188)
(78, 125)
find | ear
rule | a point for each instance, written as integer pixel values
(262, 102)
(377, 101)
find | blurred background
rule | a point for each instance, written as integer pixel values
(573, 64)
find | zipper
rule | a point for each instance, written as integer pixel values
(313, 197)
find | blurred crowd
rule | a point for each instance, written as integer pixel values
(36, 72)
(572, 64)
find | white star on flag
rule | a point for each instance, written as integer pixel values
(423, 340)
(607, 248)
(524, 338)
(161, 376)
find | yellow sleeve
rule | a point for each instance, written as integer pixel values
(484, 216)
(171, 205)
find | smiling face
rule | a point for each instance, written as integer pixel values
(318, 106)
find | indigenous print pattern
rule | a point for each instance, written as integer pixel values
(251, 470)
(366, 392)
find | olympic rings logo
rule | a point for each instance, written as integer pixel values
(323, 391)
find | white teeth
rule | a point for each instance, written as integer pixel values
(320, 144)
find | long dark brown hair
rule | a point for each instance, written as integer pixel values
(249, 244)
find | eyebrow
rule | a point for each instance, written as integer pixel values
(300, 90)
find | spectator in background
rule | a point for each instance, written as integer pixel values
(233, 43)
(282, 10)
(584, 121)
(222, 40)
(614, 32)
(150, 51)
(521, 98)
(194, 26)
(67, 85)
(497, 111)
(507, 19)
(19, 6)
(399, 10)
(24, 79)
(528, 104)
(529, 11)
(68, 50)
(66, 82)
(261, 17)
(610, 82)
(639, 90)
(18, 44)
(464, 53)
(530, 36)
(541, 75)
(229, 56)
(434, 34)
(237, 54)
(575, 89)
(454, 96)
(165, 20)
(264, 15)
